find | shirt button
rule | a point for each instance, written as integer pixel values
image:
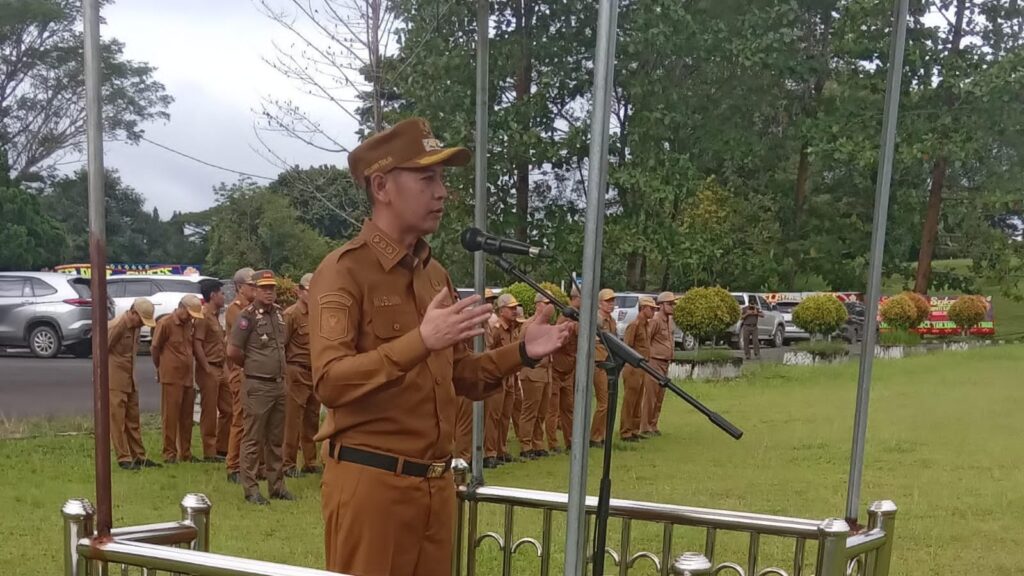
(396, 326)
(437, 381)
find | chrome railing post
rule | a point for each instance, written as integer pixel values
(195, 509)
(460, 473)
(832, 547)
(78, 516)
(691, 564)
(882, 514)
(474, 518)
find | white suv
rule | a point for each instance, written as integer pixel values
(164, 291)
(627, 306)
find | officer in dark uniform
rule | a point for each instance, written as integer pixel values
(257, 343)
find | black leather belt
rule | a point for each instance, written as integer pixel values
(387, 462)
(262, 378)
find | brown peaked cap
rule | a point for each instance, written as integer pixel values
(408, 144)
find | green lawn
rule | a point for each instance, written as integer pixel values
(945, 440)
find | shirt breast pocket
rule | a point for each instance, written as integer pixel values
(392, 322)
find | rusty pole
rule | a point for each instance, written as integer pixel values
(98, 261)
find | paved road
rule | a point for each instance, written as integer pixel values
(34, 388)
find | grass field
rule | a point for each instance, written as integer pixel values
(945, 439)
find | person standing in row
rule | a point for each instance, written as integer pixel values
(214, 392)
(662, 330)
(302, 412)
(464, 414)
(172, 354)
(498, 407)
(536, 386)
(390, 354)
(245, 292)
(123, 344)
(514, 416)
(599, 427)
(748, 330)
(563, 374)
(637, 338)
(258, 345)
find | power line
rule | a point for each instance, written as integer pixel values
(205, 163)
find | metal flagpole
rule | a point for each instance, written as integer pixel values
(604, 63)
(881, 217)
(98, 261)
(480, 211)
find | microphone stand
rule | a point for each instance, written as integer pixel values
(624, 354)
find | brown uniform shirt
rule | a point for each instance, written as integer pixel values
(231, 316)
(638, 338)
(210, 336)
(296, 325)
(662, 331)
(384, 389)
(542, 371)
(123, 343)
(607, 323)
(259, 332)
(563, 361)
(172, 343)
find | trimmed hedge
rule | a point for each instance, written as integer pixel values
(899, 313)
(921, 306)
(706, 312)
(967, 312)
(820, 314)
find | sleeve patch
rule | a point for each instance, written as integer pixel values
(243, 323)
(334, 307)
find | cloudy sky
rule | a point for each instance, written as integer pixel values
(209, 55)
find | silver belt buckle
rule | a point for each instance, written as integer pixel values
(436, 470)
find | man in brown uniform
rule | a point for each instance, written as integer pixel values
(214, 393)
(123, 344)
(662, 329)
(598, 426)
(257, 344)
(389, 350)
(638, 338)
(173, 357)
(498, 407)
(302, 410)
(563, 373)
(245, 292)
(535, 382)
(748, 330)
(464, 415)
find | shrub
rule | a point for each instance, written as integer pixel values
(821, 314)
(525, 295)
(706, 312)
(921, 306)
(967, 312)
(822, 348)
(286, 295)
(899, 338)
(713, 356)
(559, 294)
(899, 313)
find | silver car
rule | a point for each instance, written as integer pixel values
(46, 312)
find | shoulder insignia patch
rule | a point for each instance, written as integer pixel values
(334, 307)
(243, 323)
(383, 245)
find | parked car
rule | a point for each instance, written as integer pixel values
(853, 330)
(47, 312)
(164, 291)
(627, 306)
(793, 332)
(770, 328)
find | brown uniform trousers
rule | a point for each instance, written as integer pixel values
(234, 375)
(563, 386)
(214, 393)
(389, 396)
(464, 429)
(260, 334)
(125, 429)
(637, 337)
(599, 425)
(536, 386)
(498, 407)
(172, 344)
(302, 410)
(662, 331)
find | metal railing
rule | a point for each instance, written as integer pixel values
(166, 548)
(839, 552)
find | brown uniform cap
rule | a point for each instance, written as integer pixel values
(647, 302)
(666, 297)
(605, 294)
(264, 278)
(408, 144)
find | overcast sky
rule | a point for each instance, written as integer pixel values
(208, 54)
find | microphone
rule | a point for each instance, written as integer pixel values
(475, 240)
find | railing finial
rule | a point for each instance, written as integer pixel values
(691, 564)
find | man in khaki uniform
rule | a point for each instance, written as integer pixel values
(662, 330)
(598, 426)
(563, 386)
(257, 344)
(638, 338)
(498, 406)
(302, 411)
(464, 416)
(536, 385)
(245, 293)
(390, 353)
(123, 344)
(214, 393)
(172, 354)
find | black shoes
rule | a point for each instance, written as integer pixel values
(491, 463)
(631, 439)
(170, 461)
(312, 470)
(282, 495)
(293, 473)
(540, 454)
(131, 465)
(218, 459)
(256, 499)
(234, 478)
(147, 463)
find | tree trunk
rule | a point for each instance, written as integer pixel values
(930, 232)
(636, 271)
(803, 178)
(524, 76)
